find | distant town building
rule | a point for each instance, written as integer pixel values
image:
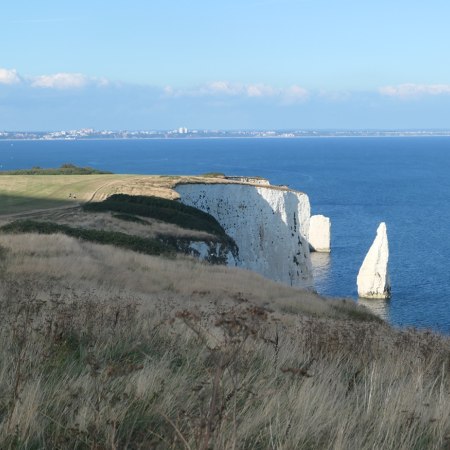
(182, 130)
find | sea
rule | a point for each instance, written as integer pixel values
(358, 182)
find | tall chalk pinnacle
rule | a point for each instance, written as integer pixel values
(373, 277)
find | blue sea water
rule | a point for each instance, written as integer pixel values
(357, 182)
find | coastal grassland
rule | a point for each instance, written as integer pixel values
(106, 348)
(27, 193)
(22, 194)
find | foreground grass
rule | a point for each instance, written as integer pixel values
(103, 348)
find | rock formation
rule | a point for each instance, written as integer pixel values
(269, 225)
(373, 277)
(319, 234)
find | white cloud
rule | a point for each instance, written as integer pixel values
(102, 81)
(209, 89)
(409, 90)
(335, 96)
(219, 87)
(252, 90)
(64, 80)
(295, 94)
(260, 90)
(60, 81)
(9, 76)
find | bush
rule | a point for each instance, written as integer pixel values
(130, 218)
(213, 175)
(65, 169)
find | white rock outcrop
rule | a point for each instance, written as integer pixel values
(269, 226)
(213, 252)
(373, 277)
(319, 233)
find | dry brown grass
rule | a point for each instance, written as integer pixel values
(76, 217)
(108, 349)
(70, 261)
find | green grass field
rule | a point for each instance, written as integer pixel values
(28, 193)
(20, 193)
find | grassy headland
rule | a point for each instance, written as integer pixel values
(26, 193)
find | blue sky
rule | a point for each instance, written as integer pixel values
(235, 64)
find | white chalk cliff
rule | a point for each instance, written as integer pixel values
(269, 225)
(373, 277)
(319, 233)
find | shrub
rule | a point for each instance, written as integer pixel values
(213, 175)
(65, 169)
(130, 218)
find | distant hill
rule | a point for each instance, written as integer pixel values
(65, 169)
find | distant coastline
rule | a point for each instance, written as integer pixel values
(93, 135)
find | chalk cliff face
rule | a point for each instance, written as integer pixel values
(319, 233)
(212, 251)
(270, 226)
(373, 277)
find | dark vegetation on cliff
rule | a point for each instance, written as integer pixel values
(198, 226)
(170, 211)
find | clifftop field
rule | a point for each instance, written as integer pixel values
(107, 346)
(22, 193)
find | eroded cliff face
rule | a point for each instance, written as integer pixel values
(270, 227)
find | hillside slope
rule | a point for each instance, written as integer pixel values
(107, 348)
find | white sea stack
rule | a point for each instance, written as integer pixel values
(373, 277)
(319, 233)
(269, 225)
